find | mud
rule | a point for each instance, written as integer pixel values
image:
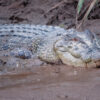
(32, 79)
(51, 83)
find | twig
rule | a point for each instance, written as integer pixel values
(82, 13)
(87, 13)
(57, 5)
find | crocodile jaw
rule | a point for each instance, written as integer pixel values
(77, 59)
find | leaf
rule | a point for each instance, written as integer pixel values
(80, 4)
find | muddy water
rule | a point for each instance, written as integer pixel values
(57, 82)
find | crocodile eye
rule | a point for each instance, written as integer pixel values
(74, 39)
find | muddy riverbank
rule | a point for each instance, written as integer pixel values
(32, 79)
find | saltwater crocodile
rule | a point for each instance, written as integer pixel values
(50, 43)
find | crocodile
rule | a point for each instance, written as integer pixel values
(50, 44)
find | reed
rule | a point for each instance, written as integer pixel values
(79, 9)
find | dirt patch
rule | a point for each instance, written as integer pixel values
(50, 12)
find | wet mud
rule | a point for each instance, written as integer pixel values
(51, 83)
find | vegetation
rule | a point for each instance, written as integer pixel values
(87, 12)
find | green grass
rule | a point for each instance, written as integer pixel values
(80, 4)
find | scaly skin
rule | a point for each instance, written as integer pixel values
(51, 44)
(80, 49)
(37, 38)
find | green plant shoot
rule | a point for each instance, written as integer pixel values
(80, 4)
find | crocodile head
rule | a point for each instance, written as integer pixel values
(75, 48)
(77, 52)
